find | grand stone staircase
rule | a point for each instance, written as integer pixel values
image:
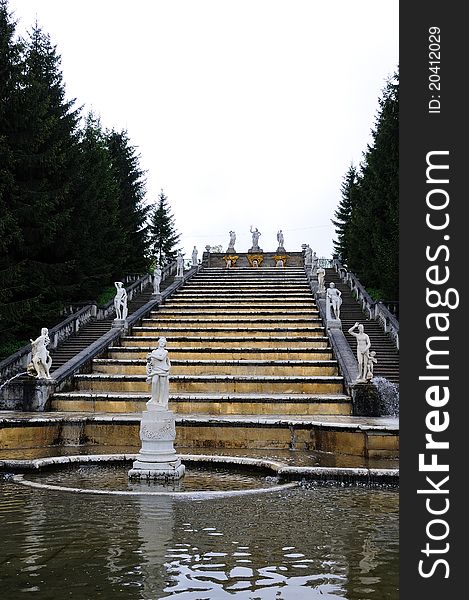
(241, 342)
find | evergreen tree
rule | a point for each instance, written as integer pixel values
(368, 221)
(97, 236)
(162, 230)
(343, 214)
(11, 64)
(131, 193)
(42, 169)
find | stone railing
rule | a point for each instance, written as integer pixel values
(375, 310)
(18, 362)
(33, 394)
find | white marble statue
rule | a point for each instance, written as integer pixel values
(314, 265)
(120, 301)
(308, 255)
(334, 296)
(279, 263)
(255, 239)
(41, 359)
(157, 280)
(280, 238)
(321, 273)
(194, 257)
(158, 367)
(372, 360)
(232, 241)
(180, 264)
(363, 347)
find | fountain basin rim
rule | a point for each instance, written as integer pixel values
(279, 469)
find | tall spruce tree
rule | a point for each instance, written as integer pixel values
(97, 237)
(42, 167)
(11, 65)
(370, 229)
(343, 214)
(162, 232)
(130, 183)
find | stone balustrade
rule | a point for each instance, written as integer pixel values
(18, 362)
(375, 310)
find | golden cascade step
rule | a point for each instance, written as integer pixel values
(224, 321)
(246, 332)
(222, 353)
(209, 404)
(208, 341)
(216, 383)
(220, 367)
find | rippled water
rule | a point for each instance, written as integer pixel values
(300, 543)
(115, 477)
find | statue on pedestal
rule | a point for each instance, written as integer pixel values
(280, 240)
(120, 301)
(156, 280)
(255, 240)
(321, 273)
(308, 256)
(180, 264)
(314, 265)
(363, 347)
(41, 360)
(194, 257)
(335, 297)
(158, 367)
(232, 242)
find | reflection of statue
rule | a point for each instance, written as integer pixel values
(363, 346)
(158, 366)
(180, 265)
(41, 359)
(232, 242)
(335, 297)
(120, 301)
(156, 280)
(280, 239)
(370, 364)
(194, 257)
(321, 274)
(255, 240)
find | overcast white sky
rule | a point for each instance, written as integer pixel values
(246, 112)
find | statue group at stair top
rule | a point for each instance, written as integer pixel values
(366, 359)
(41, 360)
(158, 368)
(256, 234)
(120, 301)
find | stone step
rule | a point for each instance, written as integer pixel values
(209, 341)
(243, 311)
(223, 353)
(175, 303)
(227, 331)
(244, 287)
(220, 367)
(208, 404)
(319, 384)
(225, 321)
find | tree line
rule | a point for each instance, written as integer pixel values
(73, 216)
(367, 216)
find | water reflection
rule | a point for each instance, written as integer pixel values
(314, 543)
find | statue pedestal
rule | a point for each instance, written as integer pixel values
(157, 297)
(333, 323)
(120, 323)
(157, 458)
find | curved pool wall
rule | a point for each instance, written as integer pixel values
(341, 476)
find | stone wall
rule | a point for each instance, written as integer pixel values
(269, 259)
